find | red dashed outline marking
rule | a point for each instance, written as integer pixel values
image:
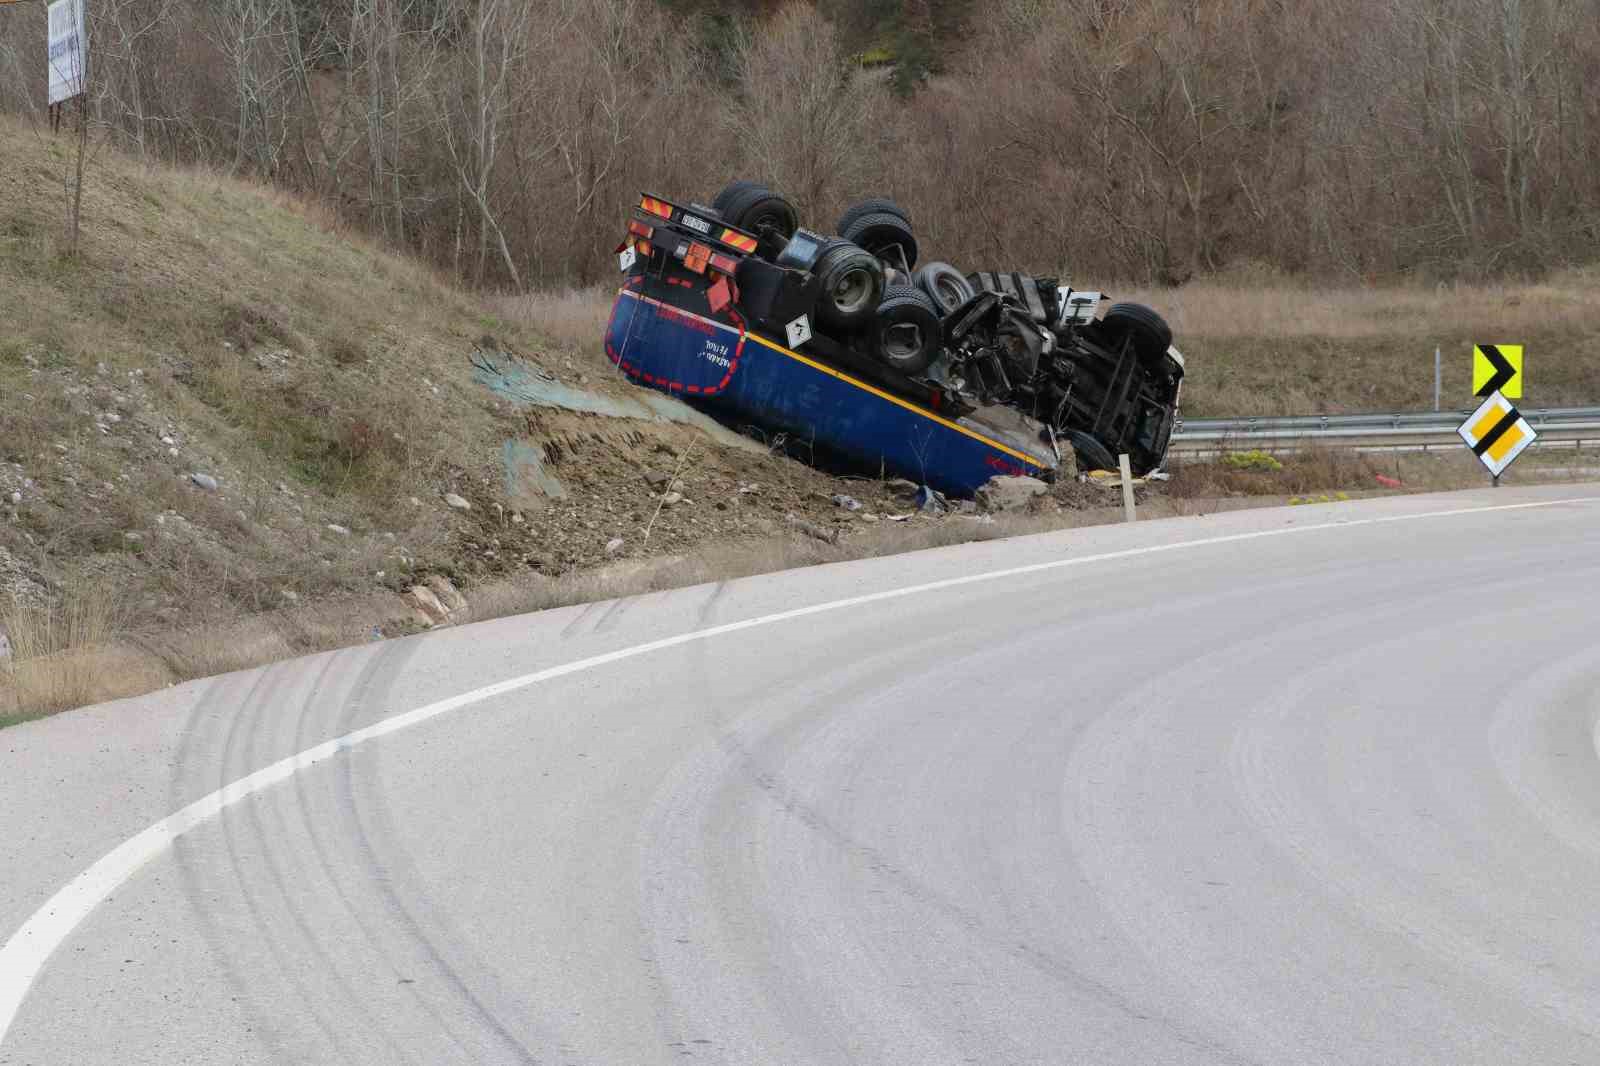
(662, 382)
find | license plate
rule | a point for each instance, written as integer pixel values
(699, 225)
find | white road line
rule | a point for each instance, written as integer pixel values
(25, 954)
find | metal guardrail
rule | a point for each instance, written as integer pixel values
(1397, 431)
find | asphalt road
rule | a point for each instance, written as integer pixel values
(1319, 795)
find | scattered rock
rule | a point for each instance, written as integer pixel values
(930, 501)
(656, 479)
(900, 488)
(849, 503)
(868, 516)
(457, 502)
(425, 601)
(1003, 493)
(752, 488)
(289, 596)
(447, 593)
(5, 646)
(334, 527)
(415, 502)
(16, 497)
(132, 537)
(516, 518)
(614, 545)
(205, 481)
(827, 536)
(671, 498)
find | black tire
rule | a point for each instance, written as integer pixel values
(1092, 455)
(948, 287)
(852, 287)
(758, 208)
(877, 205)
(880, 233)
(729, 191)
(1150, 332)
(906, 333)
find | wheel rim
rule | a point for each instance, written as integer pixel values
(853, 292)
(902, 341)
(949, 293)
(773, 219)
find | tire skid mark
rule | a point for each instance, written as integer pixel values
(369, 828)
(374, 686)
(269, 841)
(185, 852)
(262, 694)
(613, 615)
(772, 787)
(576, 624)
(333, 1026)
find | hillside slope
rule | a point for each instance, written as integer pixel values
(223, 406)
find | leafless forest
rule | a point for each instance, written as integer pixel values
(1150, 140)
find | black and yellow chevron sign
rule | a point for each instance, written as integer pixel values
(1497, 368)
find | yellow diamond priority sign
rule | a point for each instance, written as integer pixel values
(1497, 433)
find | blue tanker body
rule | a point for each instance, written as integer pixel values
(664, 334)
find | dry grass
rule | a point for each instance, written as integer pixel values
(1263, 346)
(58, 658)
(1230, 307)
(573, 321)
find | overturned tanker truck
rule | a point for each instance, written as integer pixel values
(843, 343)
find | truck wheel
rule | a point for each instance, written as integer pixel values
(852, 285)
(906, 334)
(758, 208)
(877, 205)
(1150, 332)
(1092, 455)
(947, 285)
(729, 191)
(881, 233)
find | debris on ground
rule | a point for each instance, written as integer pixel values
(1006, 493)
(930, 501)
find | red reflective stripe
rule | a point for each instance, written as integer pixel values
(638, 372)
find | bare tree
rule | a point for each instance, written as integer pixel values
(803, 114)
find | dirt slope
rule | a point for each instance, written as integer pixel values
(225, 405)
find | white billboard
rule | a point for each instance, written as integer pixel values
(69, 49)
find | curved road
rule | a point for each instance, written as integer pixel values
(1313, 785)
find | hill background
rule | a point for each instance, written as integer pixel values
(1153, 141)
